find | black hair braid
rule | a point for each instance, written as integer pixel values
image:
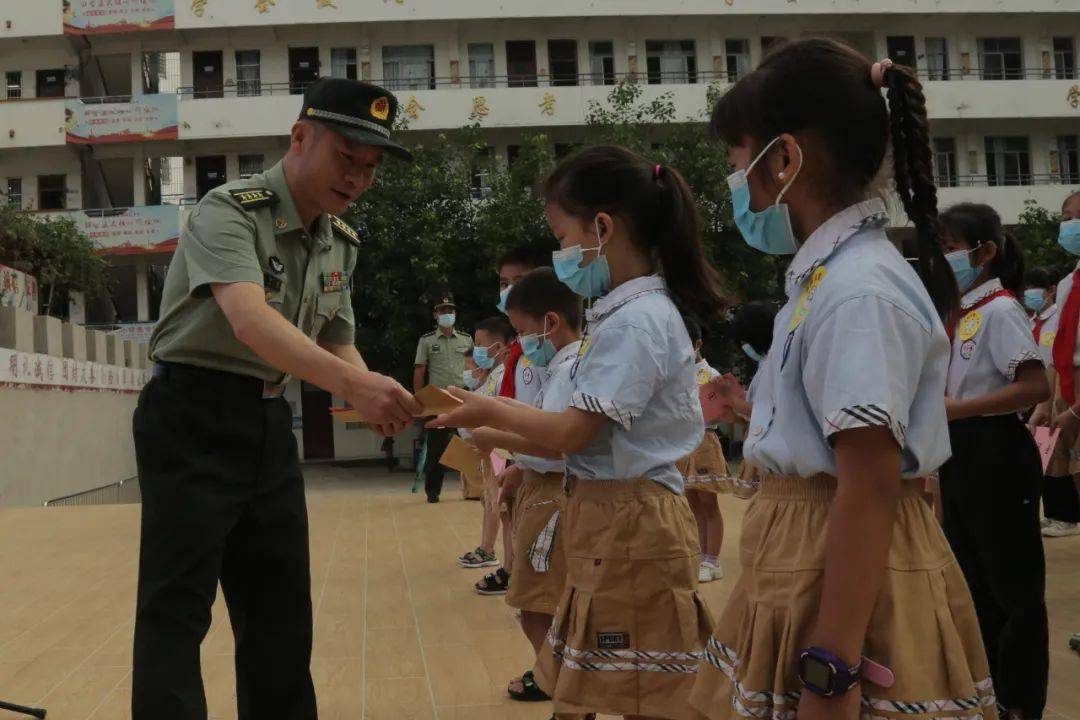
(914, 177)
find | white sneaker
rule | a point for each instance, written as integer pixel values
(1057, 528)
(708, 572)
(1045, 523)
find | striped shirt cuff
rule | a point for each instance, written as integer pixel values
(1016, 362)
(857, 416)
(593, 404)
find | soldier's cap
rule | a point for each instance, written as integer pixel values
(358, 111)
(445, 300)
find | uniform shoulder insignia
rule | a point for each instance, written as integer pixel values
(251, 198)
(427, 335)
(345, 230)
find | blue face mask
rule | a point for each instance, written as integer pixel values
(447, 320)
(752, 353)
(768, 231)
(960, 262)
(589, 281)
(1034, 299)
(482, 357)
(470, 379)
(538, 353)
(1069, 236)
(503, 294)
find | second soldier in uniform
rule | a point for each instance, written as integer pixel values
(441, 356)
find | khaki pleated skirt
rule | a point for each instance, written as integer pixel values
(630, 629)
(923, 626)
(539, 558)
(706, 468)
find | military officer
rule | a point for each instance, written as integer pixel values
(440, 355)
(258, 292)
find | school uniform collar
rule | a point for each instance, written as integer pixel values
(623, 294)
(830, 235)
(564, 353)
(1048, 312)
(976, 294)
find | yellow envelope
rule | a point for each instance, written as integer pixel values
(435, 401)
(460, 456)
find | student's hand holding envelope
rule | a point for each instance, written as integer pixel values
(472, 411)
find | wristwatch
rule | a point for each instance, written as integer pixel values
(824, 674)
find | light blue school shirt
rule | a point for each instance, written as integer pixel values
(554, 397)
(858, 344)
(636, 367)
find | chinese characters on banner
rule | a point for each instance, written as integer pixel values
(19, 368)
(17, 289)
(91, 17)
(139, 332)
(148, 228)
(146, 117)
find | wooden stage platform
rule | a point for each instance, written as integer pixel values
(399, 634)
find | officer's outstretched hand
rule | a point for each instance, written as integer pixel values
(383, 402)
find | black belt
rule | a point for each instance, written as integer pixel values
(206, 376)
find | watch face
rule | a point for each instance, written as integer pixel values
(817, 674)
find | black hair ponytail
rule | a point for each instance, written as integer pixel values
(977, 224)
(914, 177)
(658, 208)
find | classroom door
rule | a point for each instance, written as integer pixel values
(521, 63)
(318, 425)
(209, 173)
(207, 74)
(303, 68)
(901, 49)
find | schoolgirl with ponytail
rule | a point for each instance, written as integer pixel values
(629, 632)
(849, 602)
(990, 487)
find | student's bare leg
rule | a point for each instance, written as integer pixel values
(508, 541)
(490, 530)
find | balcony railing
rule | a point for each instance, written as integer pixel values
(997, 73)
(1007, 180)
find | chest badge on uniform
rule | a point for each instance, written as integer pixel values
(1047, 339)
(276, 266)
(281, 223)
(969, 325)
(336, 281)
(703, 376)
(967, 349)
(802, 309)
(527, 375)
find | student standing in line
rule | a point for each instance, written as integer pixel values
(629, 630)
(491, 339)
(1061, 503)
(990, 486)
(841, 558)
(705, 472)
(547, 314)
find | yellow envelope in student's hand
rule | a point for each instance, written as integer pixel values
(460, 456)
(435, 401)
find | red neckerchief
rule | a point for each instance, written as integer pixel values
(1037, 329)
(509, 382)
(1065, 342)
(984, 301)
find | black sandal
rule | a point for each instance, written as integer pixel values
(532, 691)
(496, 583)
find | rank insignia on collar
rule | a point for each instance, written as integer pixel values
(254, 197)
(345, 230)
(337, 281)
(276, 266)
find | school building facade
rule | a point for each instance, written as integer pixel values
(123, 113)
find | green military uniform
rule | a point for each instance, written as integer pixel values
(249, 231)
(219, 468)
(444, 356)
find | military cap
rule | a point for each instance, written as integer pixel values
(444, 300)
(359, 111)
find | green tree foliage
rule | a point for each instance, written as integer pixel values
(54, 251)
(1037, 233)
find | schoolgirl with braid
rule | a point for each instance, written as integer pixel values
(849, 601)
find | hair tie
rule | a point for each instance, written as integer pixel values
(877, 72)
(657, 171)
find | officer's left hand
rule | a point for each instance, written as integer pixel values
(475, 411)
